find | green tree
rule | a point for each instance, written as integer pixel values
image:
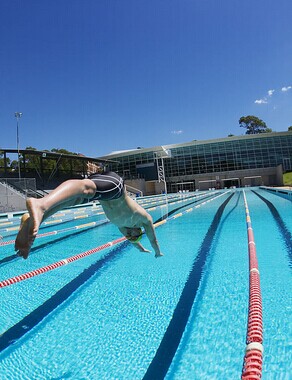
(253, 125)
(32, 161)
(63, 164)
(8, 161)
(290, 128)
(62, 151)
(30, 148)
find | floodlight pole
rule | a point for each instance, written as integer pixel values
(18, 116)
(160, 169)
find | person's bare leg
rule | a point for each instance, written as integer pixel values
(68, 194)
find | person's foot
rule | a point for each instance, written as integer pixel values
(21, 242)
(28, 229)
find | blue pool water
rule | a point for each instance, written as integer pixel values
(122, 314)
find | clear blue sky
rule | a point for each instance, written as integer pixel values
(95, 76)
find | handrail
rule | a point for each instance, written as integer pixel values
(11, 187)
(253, 359)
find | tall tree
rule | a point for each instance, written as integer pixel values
(63, 163)
(253, 125)
(290, 128)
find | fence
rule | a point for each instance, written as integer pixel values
(13, 193)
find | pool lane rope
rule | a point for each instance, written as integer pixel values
(57, 232)
(253, 359)
(58, 264)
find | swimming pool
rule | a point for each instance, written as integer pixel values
(121, 314)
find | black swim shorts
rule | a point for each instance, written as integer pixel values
(109, 186)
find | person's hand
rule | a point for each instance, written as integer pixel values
(142, 249)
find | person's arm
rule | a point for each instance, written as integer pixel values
(140, 247)
(150, 232)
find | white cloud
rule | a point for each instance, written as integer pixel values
(266, 99)
(177, 132)
(285, 89)
(261, 101)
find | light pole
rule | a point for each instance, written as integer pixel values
(159, 157)
(18, 116)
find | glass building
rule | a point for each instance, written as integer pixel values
(248, 160)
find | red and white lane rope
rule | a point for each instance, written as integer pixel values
(58, 264)
(253, 359)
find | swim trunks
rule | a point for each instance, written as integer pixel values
(109, 186)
